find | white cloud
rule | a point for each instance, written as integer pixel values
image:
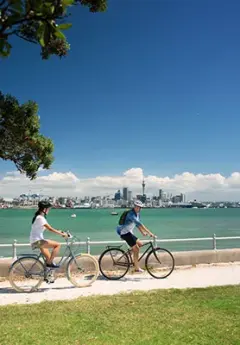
(200, 186)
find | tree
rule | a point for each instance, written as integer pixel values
(20, 140)
(40, 22)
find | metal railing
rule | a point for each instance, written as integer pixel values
(88, 242)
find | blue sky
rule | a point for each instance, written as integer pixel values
(150, 83)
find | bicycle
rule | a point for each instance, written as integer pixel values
(81, 269)
(114, 262)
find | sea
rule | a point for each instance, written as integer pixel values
(100, 225)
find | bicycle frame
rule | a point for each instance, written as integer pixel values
(128, 253)
(64, 259)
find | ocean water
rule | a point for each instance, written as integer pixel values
(100, 225)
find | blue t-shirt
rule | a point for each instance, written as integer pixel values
(132, 220)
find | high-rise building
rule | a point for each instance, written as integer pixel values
(160, 194)
(129, 195)
(117, 196)
(125, 193)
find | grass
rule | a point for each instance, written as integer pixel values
(167, 317)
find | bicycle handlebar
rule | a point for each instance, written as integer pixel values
(68, 234)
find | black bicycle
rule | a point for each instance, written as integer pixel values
(114, 262)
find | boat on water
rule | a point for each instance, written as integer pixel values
(114, 213)
(73, 215)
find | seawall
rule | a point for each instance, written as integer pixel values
(181, 258)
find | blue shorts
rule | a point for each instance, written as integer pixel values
(130, 239)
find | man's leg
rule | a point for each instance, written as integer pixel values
(135, 250)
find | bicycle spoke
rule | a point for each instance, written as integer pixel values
(83, 270)
(114, 263)
(26, 274)
(159, 263)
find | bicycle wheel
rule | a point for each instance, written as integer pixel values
(159, 263)
(82, 270)
(26, 274)
(114, 263)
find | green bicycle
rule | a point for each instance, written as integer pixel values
(28, 272)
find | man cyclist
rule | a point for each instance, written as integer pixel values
(125, 231)
(39, 225)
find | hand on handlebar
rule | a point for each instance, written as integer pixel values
(64, 234)
(152, 235)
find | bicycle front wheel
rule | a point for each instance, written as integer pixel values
(114, 263)
(160, 263)
(82, 270)
(26, 274)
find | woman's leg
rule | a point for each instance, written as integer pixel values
(50, 244)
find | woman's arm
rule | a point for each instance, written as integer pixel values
(58, 232)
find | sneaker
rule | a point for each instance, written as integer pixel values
(140, 270)
(52, 265)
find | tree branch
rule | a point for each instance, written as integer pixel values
(24, 38)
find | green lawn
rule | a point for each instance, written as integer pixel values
(167, 317)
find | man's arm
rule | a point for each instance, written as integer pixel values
(145, 231)
(142, 228)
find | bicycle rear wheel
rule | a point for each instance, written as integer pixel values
(26, 274)
(114, 263)
(82, 270)
(159, 263)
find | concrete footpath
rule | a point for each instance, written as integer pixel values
(185, 277)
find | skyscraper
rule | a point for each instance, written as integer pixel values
(125, 193)
(117, 196)
(160, 194)
(129, 195)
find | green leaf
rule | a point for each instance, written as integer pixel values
(40, 34)
(60, 35)
(67, 2)
(64, 26)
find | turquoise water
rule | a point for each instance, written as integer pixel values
(100, 225)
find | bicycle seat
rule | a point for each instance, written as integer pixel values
(114, 246)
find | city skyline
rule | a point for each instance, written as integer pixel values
(196, 186)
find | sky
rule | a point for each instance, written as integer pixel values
(151, 87)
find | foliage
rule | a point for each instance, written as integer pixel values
(40, 22)
(20, 140)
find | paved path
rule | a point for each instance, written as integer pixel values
(201, 276)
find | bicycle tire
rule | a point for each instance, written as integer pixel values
(34, 263)
(106, 273)
(149, 266)
(92, 264)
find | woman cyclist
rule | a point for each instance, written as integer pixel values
(39, 224)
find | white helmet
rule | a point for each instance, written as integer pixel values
(138, 203)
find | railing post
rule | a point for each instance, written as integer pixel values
(14, 249)
(88, 245)
(214, 242)
(155, 241)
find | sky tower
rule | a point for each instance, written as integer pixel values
(143, 187)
